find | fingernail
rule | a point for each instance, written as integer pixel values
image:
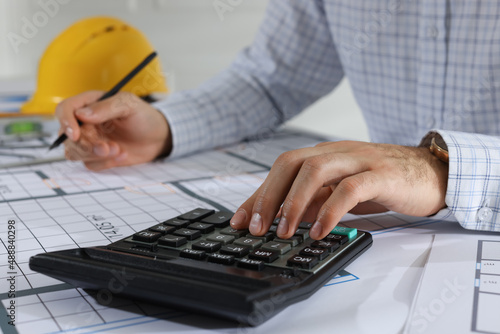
(282, 227)
(316, 230)
(255, 223)
(69, 132)
(238, 218)
(99, 150)
(84, 111)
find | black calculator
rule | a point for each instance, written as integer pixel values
(198, 263)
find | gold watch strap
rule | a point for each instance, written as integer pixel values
(438, 150)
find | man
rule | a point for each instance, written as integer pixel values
(414, 66)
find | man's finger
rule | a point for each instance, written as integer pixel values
(312, 210)
(65, 112)
(315, 173)
(88, 151)
(241, 218)
(368, 207)
(273, 191)
(76, 150)
(115, 107)
(355, 189)
(260, 209)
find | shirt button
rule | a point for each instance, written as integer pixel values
(432, 32)
(484, 214)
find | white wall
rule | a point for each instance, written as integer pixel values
(193, 40)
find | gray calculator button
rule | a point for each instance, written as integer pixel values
(231, 231)
(293, 241)
(265, 238)
(247, 241)
(223, 239)
(279, 247)
(303, 233)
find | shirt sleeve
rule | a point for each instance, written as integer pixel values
(291, 63)
(473, 192)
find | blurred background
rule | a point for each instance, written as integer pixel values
(194, 41)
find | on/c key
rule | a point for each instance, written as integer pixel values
(350, 232)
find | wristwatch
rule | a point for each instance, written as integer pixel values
(437, 146)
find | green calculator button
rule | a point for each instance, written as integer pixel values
(350, 232)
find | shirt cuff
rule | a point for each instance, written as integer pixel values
(473, 187)
(186, 126)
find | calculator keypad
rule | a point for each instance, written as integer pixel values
(205, 235)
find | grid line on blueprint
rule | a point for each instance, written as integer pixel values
(49, 312)
(230, 191)
(262, 153)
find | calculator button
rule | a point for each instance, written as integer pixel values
(302, 261)
(221, 258)
(219, 219)
(237, 251)
(320, 253)
(331, 246)
(263, 255)
(350, 232)
(224, 239)
(193, 254)
(177, 223)
(196, 214)
(305, 225)
(172, 241)
(273, 228)
(146, 236)
(276, 221)
(265, 238)
(188, 234)
(293, 241)
(207, 246)
(279, 247)
(302, 233)
(251, 264)
(342, 239)
(247, 241)
(203, 228)
(163, 229)
(231, 231)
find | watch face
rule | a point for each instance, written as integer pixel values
(440, 142)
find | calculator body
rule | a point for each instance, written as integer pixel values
(248, 289)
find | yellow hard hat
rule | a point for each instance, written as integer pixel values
(93, 54)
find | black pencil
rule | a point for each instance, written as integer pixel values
(111, 92)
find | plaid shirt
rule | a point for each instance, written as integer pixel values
(414, 66)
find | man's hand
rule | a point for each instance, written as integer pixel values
(321, 184)
(119, 131)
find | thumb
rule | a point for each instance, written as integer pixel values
(120, 105)
(65, 112)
